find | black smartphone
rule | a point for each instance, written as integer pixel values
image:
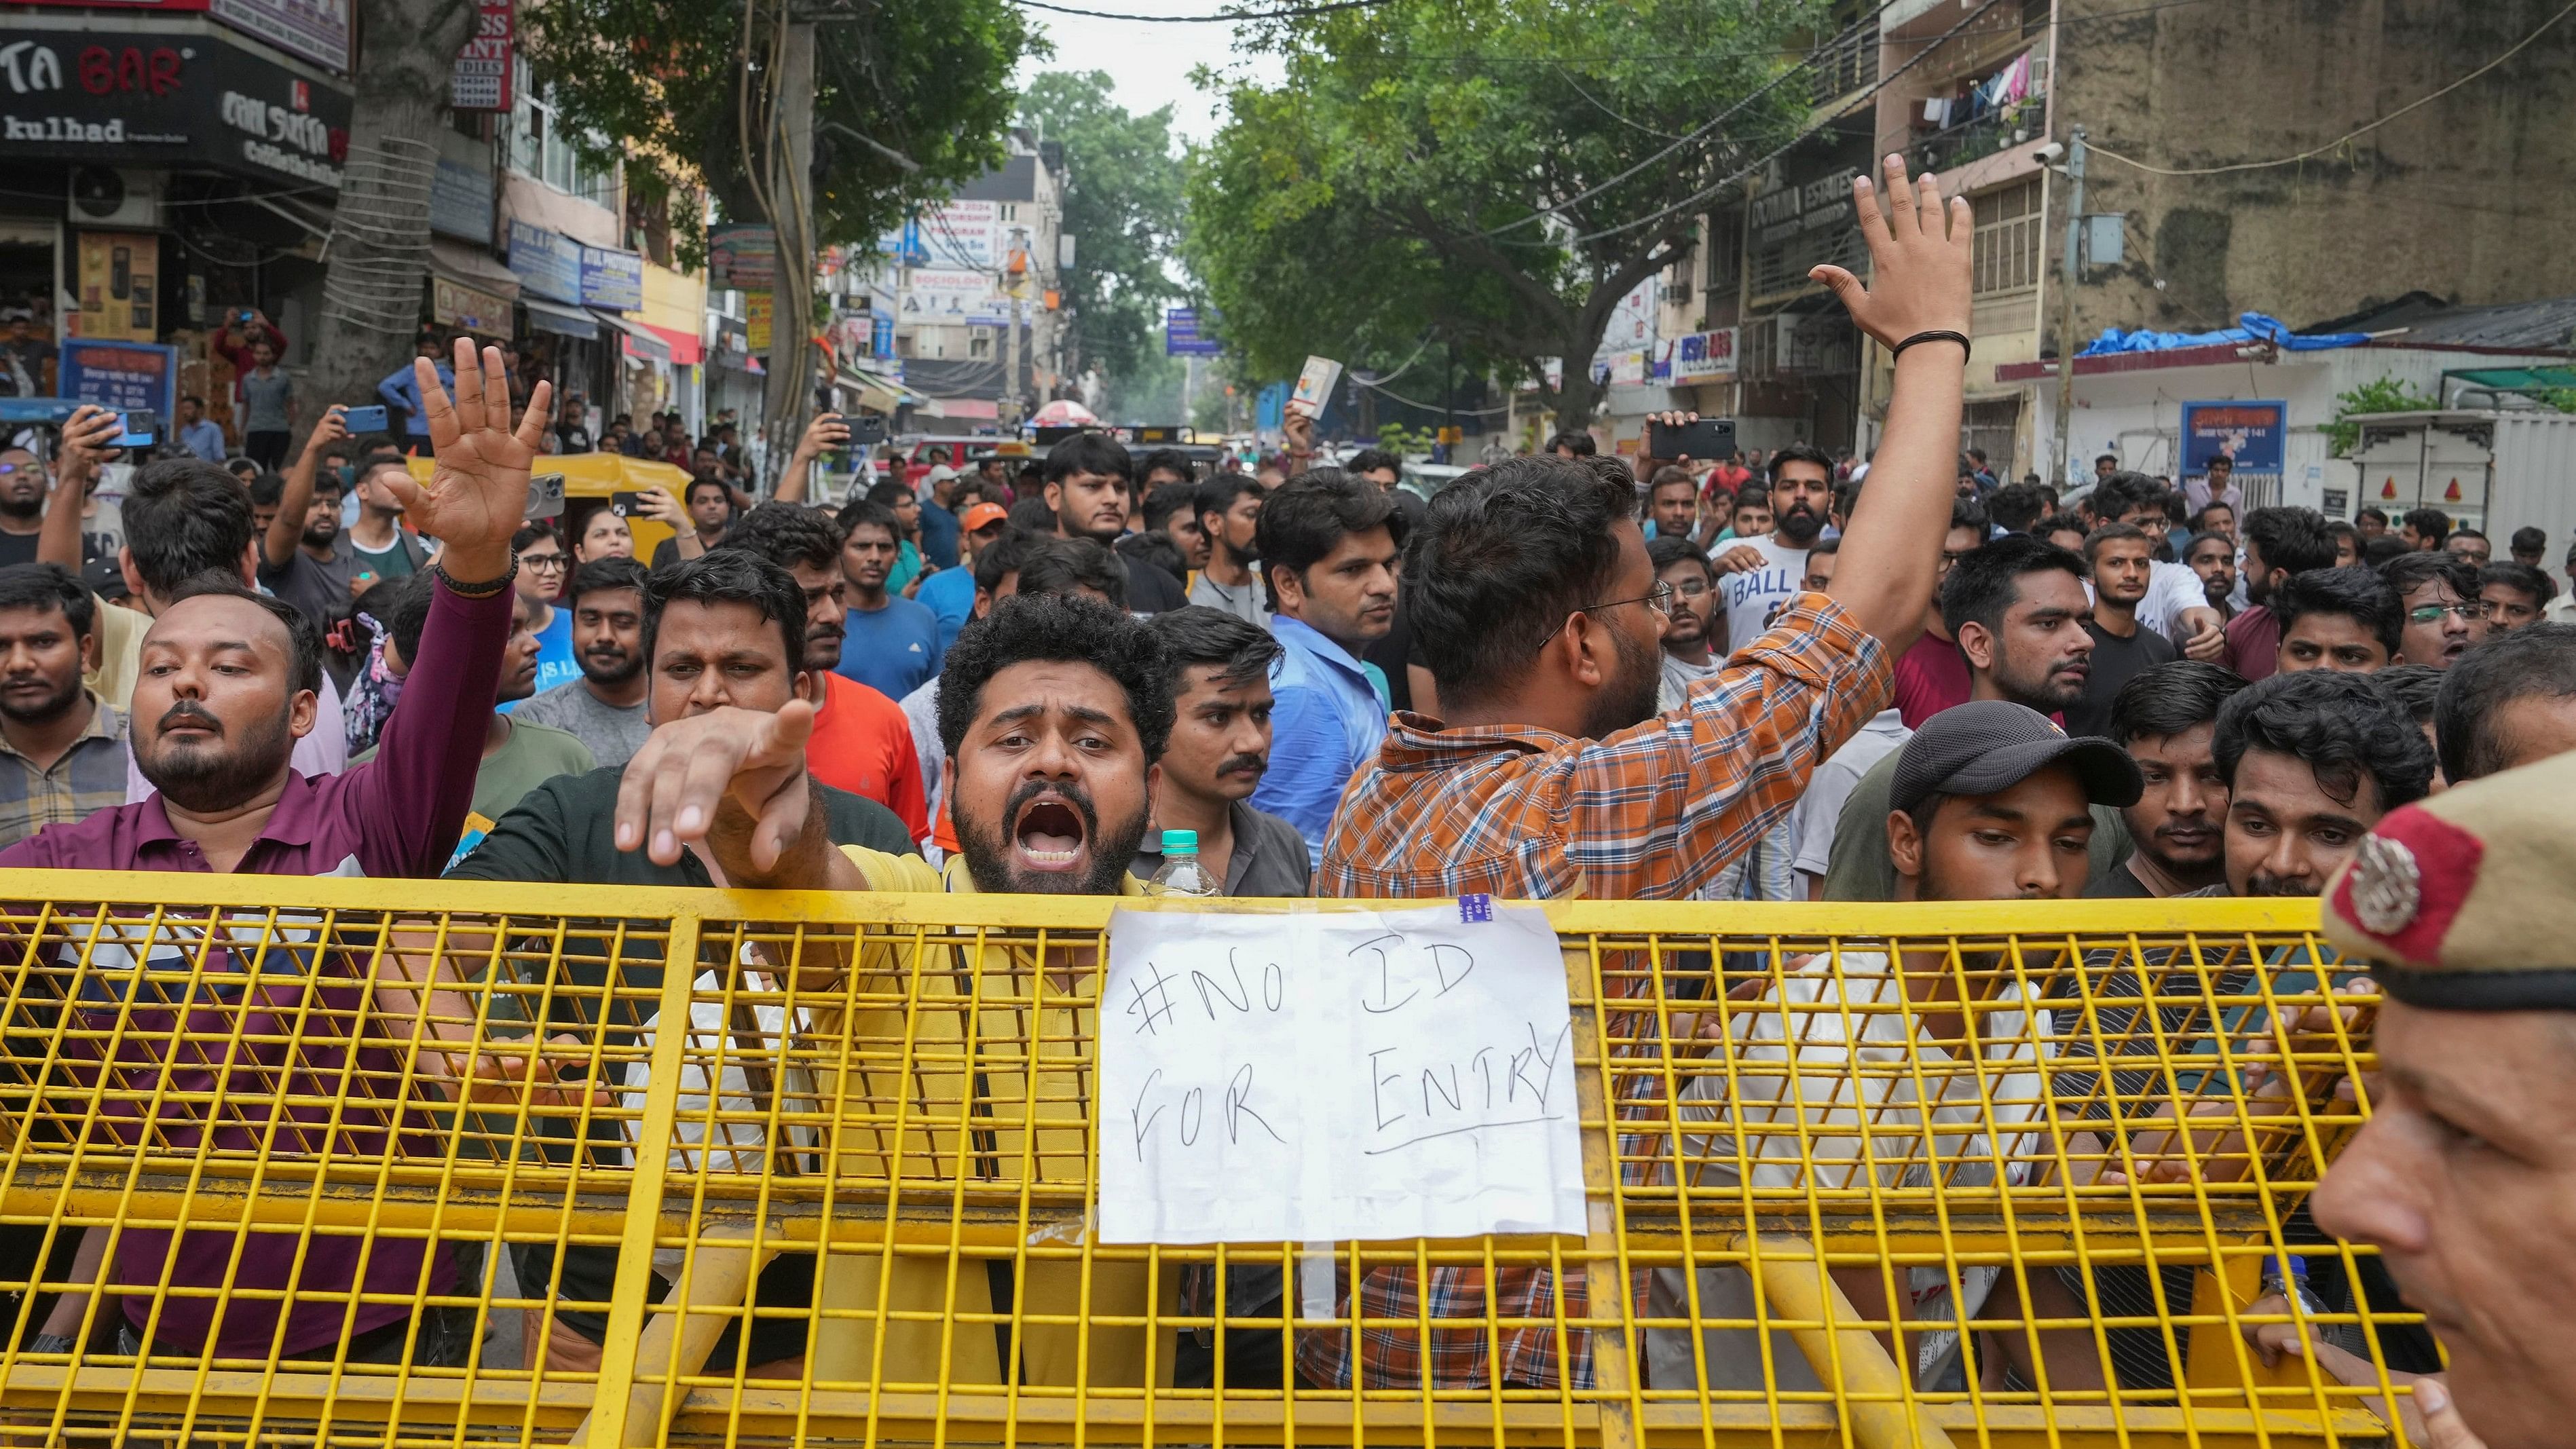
(867, 431)
(1707, 440)
(626, 505)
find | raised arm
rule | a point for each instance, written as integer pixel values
(826, 431)
(88, 437)
(421, 782)
(286, 530)
(1919, 270)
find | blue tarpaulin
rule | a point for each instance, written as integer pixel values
(2253, 327)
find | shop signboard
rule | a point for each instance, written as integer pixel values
(950, 295)
(755, 324)
(2253, 436)
(481, 81)
(460, 201)
(177, 99)
(612, 280)
(547, 263)
(317, 30)
(125, 376)
(454, 304)
(1704, 357)
(742, 257)
(1182, 337)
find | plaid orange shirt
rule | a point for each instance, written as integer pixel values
(1651, 813)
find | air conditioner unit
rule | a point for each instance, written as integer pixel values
(105, 196)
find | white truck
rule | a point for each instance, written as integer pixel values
(2494, 471)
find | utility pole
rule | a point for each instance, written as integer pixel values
(1011, 411)
(791, 198)
(2066, 303)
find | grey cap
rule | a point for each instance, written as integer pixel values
(1988, 745)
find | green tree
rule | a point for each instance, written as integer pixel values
(1122, 206)
(909, 100)
(1388, 190)
(2381, 395)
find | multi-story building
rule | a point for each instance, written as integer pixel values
(971, 282)
(2176, 101)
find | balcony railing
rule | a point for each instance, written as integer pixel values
(1954, 146)
(1845, 63)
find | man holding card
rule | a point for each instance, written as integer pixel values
(1550, 774)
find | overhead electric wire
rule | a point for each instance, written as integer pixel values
(1292, 12)
(2315, 151)
(1701, 197)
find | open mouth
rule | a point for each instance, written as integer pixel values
(1049, 834)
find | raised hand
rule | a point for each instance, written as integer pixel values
(478, 494)
(88, 440)
(731, 778)
(1919, 255)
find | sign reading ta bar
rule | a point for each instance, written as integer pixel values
(1336, 1076)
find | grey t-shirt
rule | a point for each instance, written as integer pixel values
(264, 400)
(1860, 868)
(1242, 601)
(614, 734)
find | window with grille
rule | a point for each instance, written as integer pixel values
(2008, 238)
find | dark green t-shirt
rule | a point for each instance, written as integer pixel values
(564, 831)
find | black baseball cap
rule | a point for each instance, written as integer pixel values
(104, 578)
(1988, 745)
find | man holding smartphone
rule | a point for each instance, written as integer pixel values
(1758, 576)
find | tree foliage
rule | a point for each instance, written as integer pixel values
(661, 79)
(1385, 191)
(2380, 395)
(1122, 205)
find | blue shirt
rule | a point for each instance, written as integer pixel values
(205, 438)
(399, 391)
(1329, 719)
(555, 661)
(891, 650)
(938, 534)
(950, 597)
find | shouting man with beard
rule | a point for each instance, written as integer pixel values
(229, 681)
(1759, 576)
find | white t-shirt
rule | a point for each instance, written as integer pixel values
(1754, 596)
(2171, 588)
(1679, 676)
(1786, 1130)
(1811, 825)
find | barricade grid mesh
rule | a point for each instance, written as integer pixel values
(846, 1202)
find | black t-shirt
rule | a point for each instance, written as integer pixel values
(1151, 589)
(562, 832)
(2116, 661)
(2120, 884)
(1396, 650)
(17, 548)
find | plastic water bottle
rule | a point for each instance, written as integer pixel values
(1182, 875)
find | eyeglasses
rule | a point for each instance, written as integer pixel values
(2432, 613)
(1659, 599)
(543, 560)
(1689, 588)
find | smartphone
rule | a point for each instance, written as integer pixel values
(364, 420)
(867, 431)
(545, 496)
(1707, 440)
(243, 317)
(626, 505)
(142, 429)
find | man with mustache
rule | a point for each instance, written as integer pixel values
(2167, 719)
(1549, 773)
(2017, 608)
(229, 681)
(725, 632)
(1328, 545)
(604, 708)
(1219, 670)
(862, 742)
(1757, 576)
(2444, 616)
(1053, 713)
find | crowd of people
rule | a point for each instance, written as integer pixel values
(1818, 679)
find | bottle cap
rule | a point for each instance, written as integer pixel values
(1180, 842)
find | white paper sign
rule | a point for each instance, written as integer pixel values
(1336, 1076)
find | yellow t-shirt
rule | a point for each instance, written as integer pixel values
(944, 1137)
(120, 653)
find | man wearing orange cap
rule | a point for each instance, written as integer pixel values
(2465, 1176)
(949, 594)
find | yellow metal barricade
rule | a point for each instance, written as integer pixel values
(366, 1162)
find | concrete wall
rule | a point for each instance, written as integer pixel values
(2459, 197)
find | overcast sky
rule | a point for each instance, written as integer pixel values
(1151, 63)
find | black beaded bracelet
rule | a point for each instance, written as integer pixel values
(1967, 349)
(483, 590)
